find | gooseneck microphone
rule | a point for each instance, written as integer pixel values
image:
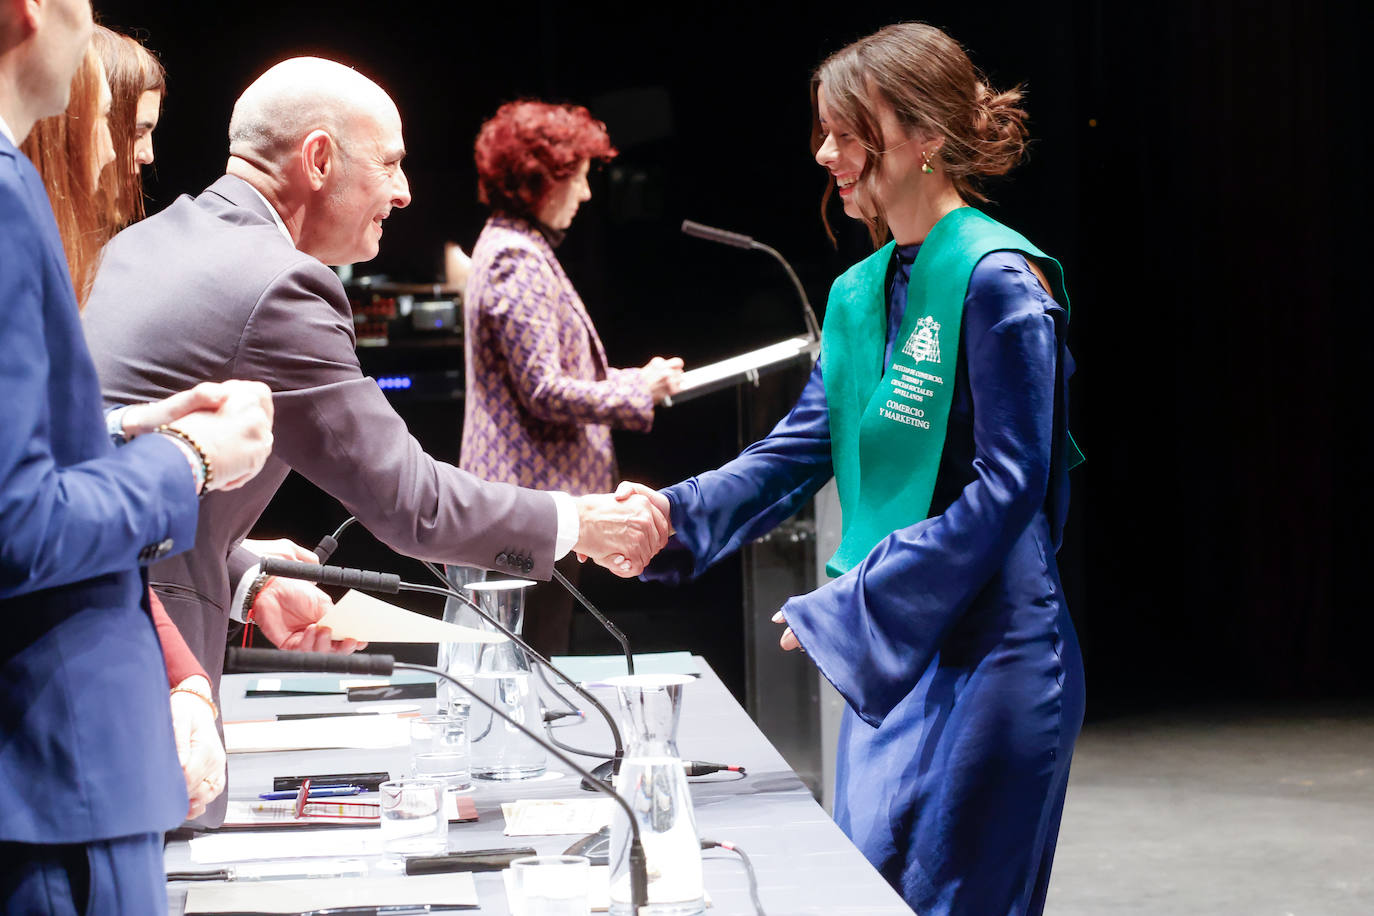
(737, 240)
(243, 661)
(391, 584)
(601, 619)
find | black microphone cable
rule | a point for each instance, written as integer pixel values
(748, 869)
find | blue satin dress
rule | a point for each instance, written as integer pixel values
(951, 642)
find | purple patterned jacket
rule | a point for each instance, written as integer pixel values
(541, 400)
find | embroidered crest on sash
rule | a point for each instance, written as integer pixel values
(924, 342)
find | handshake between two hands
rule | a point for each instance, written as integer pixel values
(622, 531)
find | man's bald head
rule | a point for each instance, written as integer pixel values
(297, 96)
(323, 144)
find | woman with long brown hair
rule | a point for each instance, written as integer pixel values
(939, 406)
(138, 84)
(70, 151)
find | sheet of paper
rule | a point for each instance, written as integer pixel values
(584, 668)
(312, 734)
(253, 846)
(556, 816)
(598, 887)
(298, 896)
(360, 616)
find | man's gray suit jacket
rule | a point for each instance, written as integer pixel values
(210, 289)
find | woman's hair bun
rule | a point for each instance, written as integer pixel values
(999, 126)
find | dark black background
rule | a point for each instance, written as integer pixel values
(1200, 169)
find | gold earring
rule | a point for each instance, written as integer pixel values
(926, 157)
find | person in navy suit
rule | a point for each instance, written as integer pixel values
(89, 777)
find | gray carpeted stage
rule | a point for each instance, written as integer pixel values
(1219, 812)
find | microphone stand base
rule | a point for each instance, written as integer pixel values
(604, 772)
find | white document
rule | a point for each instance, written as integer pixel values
(556, 816)
(251, 845)
(359, 616)
(299, 896)
(313, 734)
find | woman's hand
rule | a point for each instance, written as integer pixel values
(663, 376)
(139, 419)
(236, 437)
(457, 266)
(198, 746)
(789, 639)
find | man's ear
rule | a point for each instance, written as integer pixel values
(19, 19)
(317, 158)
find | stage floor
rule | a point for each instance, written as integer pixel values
(1219, 812)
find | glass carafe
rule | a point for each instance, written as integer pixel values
(501, 676)
(459, 658)
(652, 779)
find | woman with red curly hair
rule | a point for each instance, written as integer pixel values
(541, 397)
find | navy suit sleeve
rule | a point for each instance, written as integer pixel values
(874, 630)
(62, 524)
(714, 513)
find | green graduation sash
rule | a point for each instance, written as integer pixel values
(888, 424)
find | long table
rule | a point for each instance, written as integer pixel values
(805, 865)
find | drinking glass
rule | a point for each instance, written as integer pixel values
(439, 749)
(550, 886)
(414, 822)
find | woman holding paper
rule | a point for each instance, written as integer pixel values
(939, 406)
(541, 396)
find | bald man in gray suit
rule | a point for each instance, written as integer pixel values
(234, 284)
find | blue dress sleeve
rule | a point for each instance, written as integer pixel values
(714, 513)
(876, 629)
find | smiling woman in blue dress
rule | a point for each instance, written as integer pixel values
(939, 407)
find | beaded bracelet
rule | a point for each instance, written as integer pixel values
(209, 473)
(214, 710)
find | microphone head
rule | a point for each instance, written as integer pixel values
(712, 234)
